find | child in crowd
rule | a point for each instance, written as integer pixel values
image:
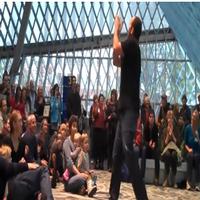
(77, 145)
(77, 140)
(83, 165)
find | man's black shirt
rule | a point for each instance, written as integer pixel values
(130, 75)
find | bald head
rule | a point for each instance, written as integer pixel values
(135, 27)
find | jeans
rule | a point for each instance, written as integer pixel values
(170, 160)
(27, 184)
(123, 150)
(146, 152)
(74, 184)
(193, 162)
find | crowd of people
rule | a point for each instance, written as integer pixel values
(172, 137)
(50, 146)
(69, 152)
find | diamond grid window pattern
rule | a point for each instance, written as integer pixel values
(165, 66)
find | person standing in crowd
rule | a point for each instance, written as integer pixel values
(111, 117)
(55, 103)
(39, 104)
(5, 86)
(127, 56)
(32, 95)
(74, 101)
(99, 133)
(185, 111)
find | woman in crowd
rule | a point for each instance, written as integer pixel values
(170, 151)
(16, 144)
(150, 148)
(39, 104)
(18, 101)
(55, 104)
(111, 117)
(99, 132)
(76, 181)
(192, 145)
(69, 149)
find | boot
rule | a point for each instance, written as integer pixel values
(91, 188)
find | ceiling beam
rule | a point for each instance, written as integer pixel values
(18, 50)
(152, 36)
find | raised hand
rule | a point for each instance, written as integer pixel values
(118, 24)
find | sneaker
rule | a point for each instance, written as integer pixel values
(188, 186)
(92, 191)
(197, 188)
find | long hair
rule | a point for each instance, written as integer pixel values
(13, 118)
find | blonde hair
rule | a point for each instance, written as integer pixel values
(77, 136)
(84, 137)
(5, 152)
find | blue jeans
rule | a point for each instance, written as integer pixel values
(74, 184)
(193, 162)
(123, 151)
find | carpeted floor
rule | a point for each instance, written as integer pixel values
(126, 192)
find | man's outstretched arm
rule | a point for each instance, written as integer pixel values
(117, 48)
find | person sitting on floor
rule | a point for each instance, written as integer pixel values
(84, 165)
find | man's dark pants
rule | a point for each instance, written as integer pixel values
(123, 150)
